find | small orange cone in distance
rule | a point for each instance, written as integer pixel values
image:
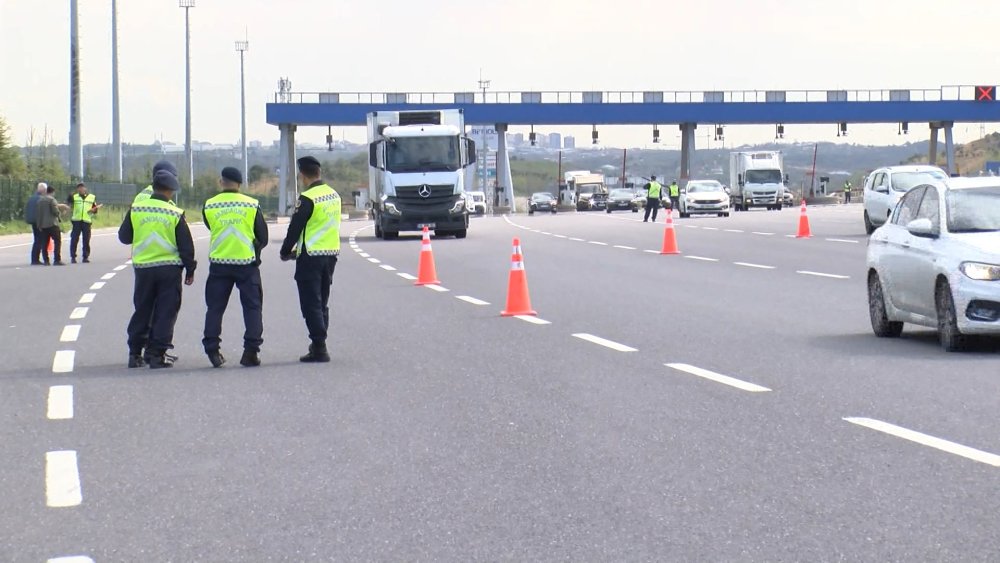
(669, 236)
(51, 246)
(518, 301)
(804, 231)
(426, 274)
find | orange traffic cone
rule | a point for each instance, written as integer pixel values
(804, 231)
(51, 246)
(669, 236)
(518, 301)
(426, 274)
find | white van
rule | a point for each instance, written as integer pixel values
(886, 186)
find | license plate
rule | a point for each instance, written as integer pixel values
(428, 225)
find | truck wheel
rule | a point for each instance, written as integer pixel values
(869, 227)
(461, 233)
(553, 210)
(777, 207)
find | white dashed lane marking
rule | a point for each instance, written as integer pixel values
(532, 319)
(763, 234)
(79, 313)
(63, 361)
(734, 231)
(60, 404)
(387, 268)
(702, 258)
(70, 333)
(822, 275)
(62, 479)
(750, 265)
(604, 342)
(97, 285)
(364, 255)
(926, 440)
(87, 298)
(437, 288)
(108, 276)
(374, 260)
(718, 378)
(71, 559)
(472, 300)
(623, 247)
(710, 228)
(842, 240)
(652, 251)
(120, 268)
(406, 276)
(575, 239)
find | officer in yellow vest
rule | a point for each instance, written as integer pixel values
(675, 196)
(147, 192)
(847, 191)
(313, 238)
(239, 232)
(84, 206)
(653, 189)
(161, 248)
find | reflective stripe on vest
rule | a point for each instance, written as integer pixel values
(144, 195)
(321, 237)
(675, 190)
(80, 207)
(154, 242)
(231, 219)
(654, 190)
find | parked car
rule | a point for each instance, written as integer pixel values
(639, 200)
(936, 262)
(541, 201)
(475, 202)
(787, 198)
(704, 196)
(885, 186)
(622, 199)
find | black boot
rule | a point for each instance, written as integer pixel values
(317, 353)
(250, 359)
(160, 361)
(216, 358)
(135, 360)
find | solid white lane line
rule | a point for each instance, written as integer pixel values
(406, 276)
(79, 313)
(822, 275)
(604, 342)
(71, 559)
(702, 258)
(719, 378)
(710, 228)
(364, 255)
(108, 276)
(87, 297)
(387, 268)
(843, 240)
(926, 440)
(764, 234)
(734, 231)
(532, 319)
(750, 265)
(62, 362)
(623, 247)
(97, 285)
(437, 288)
(652, 251)
(70, 333)
(374, 260)
(597, 243)
(62, 479)
(472, 300)
(120, 268)
(60, 406)
(559, 236)
(575, 239)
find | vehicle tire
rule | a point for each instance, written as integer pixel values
(684, 215)
(378, 230)
(609, 210)
(723, 214)
(635, 210)
(553, 210)
(869, 227)
(726, 214)
(390, 235)
(531, 212)
(881, 325)
(461, 233)
(952, 340)
(777, 207)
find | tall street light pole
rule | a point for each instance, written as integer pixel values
(117, 171)
(243, 47)
(187, 5)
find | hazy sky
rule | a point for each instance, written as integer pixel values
(440, 45)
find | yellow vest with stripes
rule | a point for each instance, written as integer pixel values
(231, 217)
(321, 236)
(154, 239)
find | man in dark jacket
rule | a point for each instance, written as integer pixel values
(31, 218)
(48, 216)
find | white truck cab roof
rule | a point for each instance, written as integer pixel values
(420, 131)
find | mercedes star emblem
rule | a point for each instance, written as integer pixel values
(424, 191)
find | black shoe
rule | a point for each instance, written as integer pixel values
(250, 359)
(135, 361)
(317, 353)
(160, 361)
(86, 260)
(59, 263)
(73, 260)
(36, 263)
(216, 358)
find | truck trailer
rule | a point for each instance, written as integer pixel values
(757, 179)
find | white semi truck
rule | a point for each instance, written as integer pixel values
(419, 166)
(756, 179)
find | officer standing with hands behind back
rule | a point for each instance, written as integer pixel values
(161, 246)
(313, 239)
(84, 206)
(239, 232)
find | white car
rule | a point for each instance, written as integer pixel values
(884, 188)
(475, 202)
(936, 262)
(704, 196)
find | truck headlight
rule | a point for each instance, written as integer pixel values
(979, 271)
(391, 208)
(458, 207)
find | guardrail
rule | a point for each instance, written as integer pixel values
(944, 93)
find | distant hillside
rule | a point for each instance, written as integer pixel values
(970, 158)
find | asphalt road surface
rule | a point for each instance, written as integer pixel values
(726, 404)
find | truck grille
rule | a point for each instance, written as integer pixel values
(410, 195)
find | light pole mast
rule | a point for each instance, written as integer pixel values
(187, 5)
(75, 138)
(484, 84)
(116, 134)
(242, 47)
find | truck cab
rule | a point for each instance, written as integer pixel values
(757, 179)
(589, 191)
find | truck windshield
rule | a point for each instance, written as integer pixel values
(422, 154)
(591, 189)
(763, 177)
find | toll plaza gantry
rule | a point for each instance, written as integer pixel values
(941, 108)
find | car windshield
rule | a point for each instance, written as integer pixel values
(591, 188)
(621, 193)
(763, 177)
(906, 181)
(541, 196)
(703, 187)
(974, 210)
(422, 154)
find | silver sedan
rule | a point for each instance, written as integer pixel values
(936, 262)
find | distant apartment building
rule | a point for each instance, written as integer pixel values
(555, 141)
(569, 142)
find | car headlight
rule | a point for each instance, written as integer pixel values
(391, 208)
(979, 271)
(459, 205)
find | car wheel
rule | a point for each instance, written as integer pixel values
(881, 325)
(553, 210)
(531, 212)
(461, 233)
(609, 210)
(777, 207)
(390, 236)
(684, 215)
(722, 214)
(725, 214)
(952, 340)
(869, 227)
(635, 210)
(378, 230)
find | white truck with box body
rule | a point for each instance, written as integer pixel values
(419, 166)
(756, 179)
(588, 190)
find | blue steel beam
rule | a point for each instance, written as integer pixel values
(726, 113)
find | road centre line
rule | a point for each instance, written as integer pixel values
(98, 285)
(597, 243)
(710, 228)
(734, 231)
(822, 275)
(546, 233)
(364, 255)
(604, 342)
(374, 260)
(60, 403)
(692, 226)
(387, 268)
(575, 239)
(406, 276)
(62, 362)
(623, 247)
(79, 313)
(70, 333)
(842, 240)
(62, 479)
(437, 288)
(702, 258)
(750, 265)
(762, 234)
(719, 378)
(560, 236)
(471, 300)
(927, 440)
(87, 297)
(120, 268)
(107, 277)
(71, 559)
(532, 319)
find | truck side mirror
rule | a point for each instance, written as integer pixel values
(786, 178)
(470, 150)
(373, 154)
(739, 179)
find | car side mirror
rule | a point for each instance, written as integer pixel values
(921, 228)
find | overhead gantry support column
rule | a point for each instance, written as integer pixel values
(503, 167)
(288, 176)
(949, 147)
(932, 149)
(687, 150)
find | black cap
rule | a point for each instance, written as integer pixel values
(232, 174)
(653, 177)
(165, 180)
(165, 165)
(308, 161)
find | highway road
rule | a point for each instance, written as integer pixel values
(726, 404)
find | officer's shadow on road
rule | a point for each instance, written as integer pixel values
(913, 343)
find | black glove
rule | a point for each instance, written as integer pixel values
(287, 257)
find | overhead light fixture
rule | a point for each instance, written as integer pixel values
(842, 129)
(531, 136)
(779, 131)
(593, 135)
(718, 133)
(656, 134)
(329, 138)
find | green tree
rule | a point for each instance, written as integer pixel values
(11, 163)
(257, 173)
